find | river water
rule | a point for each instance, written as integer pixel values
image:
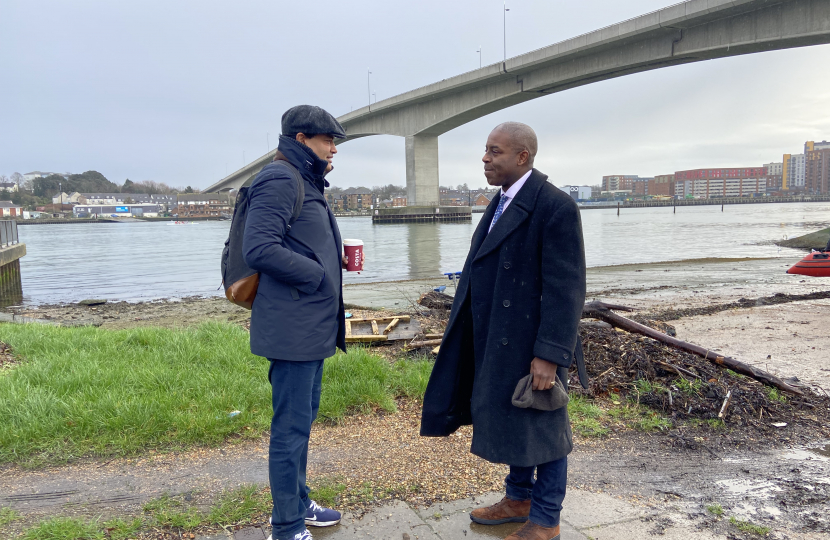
(143, 261)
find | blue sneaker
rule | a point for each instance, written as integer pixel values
(317, 516)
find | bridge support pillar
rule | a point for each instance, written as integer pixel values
(422, 171)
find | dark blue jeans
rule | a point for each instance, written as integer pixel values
(546, 492)
(295, 396)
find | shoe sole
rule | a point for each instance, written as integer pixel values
(321, 523)
(516, 519)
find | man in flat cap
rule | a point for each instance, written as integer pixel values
(297, 319)
(516, 313)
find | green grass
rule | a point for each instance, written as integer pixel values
(240, 505)
(7, 515)
(749, 527)
(715, 509)
(91, 391)
(585, 417)
(688, 387)
(774, 394)
(62, 528)
(119, 529)
(326, 491)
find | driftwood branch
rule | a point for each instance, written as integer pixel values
(602, 311)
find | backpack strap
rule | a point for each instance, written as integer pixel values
(298, 204)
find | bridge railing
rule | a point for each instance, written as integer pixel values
(8, 233)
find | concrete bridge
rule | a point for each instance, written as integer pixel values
(692, 31)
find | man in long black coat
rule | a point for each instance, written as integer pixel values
(516, 312)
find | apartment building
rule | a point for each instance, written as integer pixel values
(731, 182)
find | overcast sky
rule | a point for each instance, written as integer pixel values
(177, 92)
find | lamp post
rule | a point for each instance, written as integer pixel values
(60, 190)
(369, 85)
(479, 56)
(505, 30)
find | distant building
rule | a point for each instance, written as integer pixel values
(203, 204)
(124, 210)
(8, 186)
(793, 172)
(68, 198)
(732, 182)
(398, 201)
(775, 176)
(817, 171)
(661, 185)
(166, 202)
(641, 185)
(41, 174)
(619, 182)
(578, 193)
(484, 198)
(357, 199)
(454, 197)
(10, 209)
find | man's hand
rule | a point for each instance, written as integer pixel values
(345, 261)
(544, 374)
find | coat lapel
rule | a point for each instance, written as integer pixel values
(513, 217)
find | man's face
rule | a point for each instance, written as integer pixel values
(503, 164)
(322, 145)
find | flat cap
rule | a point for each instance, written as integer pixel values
(310, 120)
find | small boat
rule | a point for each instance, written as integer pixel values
(816, 264)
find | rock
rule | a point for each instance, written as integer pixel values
(436, 300)
(92, 302)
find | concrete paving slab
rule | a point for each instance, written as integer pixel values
(463, 505)
(584, 509)
(250, 533)
(388, 522)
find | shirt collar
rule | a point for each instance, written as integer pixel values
(514, 189)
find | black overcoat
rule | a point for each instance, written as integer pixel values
(520, 296)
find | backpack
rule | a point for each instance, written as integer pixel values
(240, 280)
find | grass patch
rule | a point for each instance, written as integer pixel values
(327, 491)
(585, 417)
(640, 418)
(169, 512)
(92, 391)
(240, 505)
(119, 529)
(687, 387)
(774, 394)
(7, 515)
(716, 423)
(749, 527)
(715, 509)
(61, 528)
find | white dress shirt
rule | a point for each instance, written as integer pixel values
(511, 194)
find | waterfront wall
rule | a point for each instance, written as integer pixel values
(11, 287)
(706, 202)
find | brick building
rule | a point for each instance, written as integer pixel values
(733, 182)
(661, 185)
(204, 204)
(817, 171)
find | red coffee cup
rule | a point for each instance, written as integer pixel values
(354, 252)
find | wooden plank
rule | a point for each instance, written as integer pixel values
(436, 349)
(364, 338)
(375, 330)
(428, 343)
(348, 328)
(433, 336)
(403, 318)
(391, 325)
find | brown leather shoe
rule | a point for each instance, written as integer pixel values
(504, 511)
(532, 531)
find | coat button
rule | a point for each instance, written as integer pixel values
(506, 303)
(565, 356)
(507, 266)
(504, 341)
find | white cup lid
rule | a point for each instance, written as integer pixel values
(352, 242)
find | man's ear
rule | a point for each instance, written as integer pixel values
(524, 155)
(301, 138)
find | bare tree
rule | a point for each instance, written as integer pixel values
(17, 178)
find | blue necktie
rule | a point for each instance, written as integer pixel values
(499, 210)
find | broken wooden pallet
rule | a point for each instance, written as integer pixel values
(387, 334)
